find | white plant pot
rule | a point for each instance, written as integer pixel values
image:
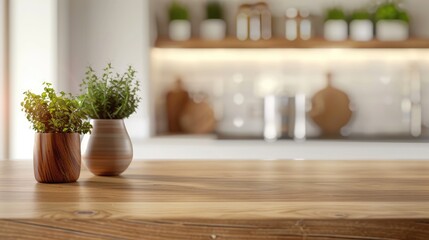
(361, 30)
(392, 30)
(213, 29)
(179, 30)
(335, 30)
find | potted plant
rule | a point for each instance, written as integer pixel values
(335, 27)
(179, 28)
(392, 23)
(214, 27)
(58, 120)
(108, 99)
(361, 26)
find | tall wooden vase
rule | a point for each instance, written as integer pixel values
(56, 157)
(109, 151)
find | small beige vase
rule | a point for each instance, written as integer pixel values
(109, 151)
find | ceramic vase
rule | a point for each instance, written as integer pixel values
(56, 157)
(392, 30)
(109, 150)
(361, 30)
(213, 29)
(335, 30)
(179, 30)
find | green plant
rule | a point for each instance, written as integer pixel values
(50, 112)
(335, 14)
(361, 14)
(391, 11)
(214, 10)
(110, 96)
(178, 11)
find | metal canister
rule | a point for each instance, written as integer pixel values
(284, 117)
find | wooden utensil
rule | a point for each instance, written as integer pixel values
(330, 109)
(176, 100)
(198, 117)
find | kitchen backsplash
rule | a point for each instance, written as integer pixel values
(381, 84)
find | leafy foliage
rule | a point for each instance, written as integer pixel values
(111, 95)
(53, 113)
(335, 14)
(178, 11)
(214, 10)
(361, 15)
(391, 11)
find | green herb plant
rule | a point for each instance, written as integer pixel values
(335, 14)
(391, 11)
(214, 10)
(361, 14)
(50, 112)
(178, 11)
(111, 95)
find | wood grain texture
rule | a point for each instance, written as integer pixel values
(212, 229)
(109, 151)
(223, 200)
(56, 157)
(283, 43)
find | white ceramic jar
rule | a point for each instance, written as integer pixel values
(291, 24)
(392, 30)
(213, 29)
(335, 30)
(361, 30)
(305, 25)
(179, 30)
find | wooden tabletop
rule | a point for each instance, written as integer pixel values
(223, 200)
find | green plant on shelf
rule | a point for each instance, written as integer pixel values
(391, 11)
(50, 112)
(178, 11)
(214, 10)
(110, 95)
(335, 14)
(361, 14)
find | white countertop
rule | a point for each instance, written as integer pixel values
(208, 147)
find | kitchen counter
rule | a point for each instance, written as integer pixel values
(182, 147)
(222, 200)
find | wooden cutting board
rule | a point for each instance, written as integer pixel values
(176, 100)
(330, 109)
(198, 118)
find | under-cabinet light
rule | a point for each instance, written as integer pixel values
(278, 55)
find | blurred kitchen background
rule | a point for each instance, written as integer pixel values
(284, 90)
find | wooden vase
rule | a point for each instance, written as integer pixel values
(56, 157)
(109, 151)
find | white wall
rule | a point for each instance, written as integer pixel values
(63, 45)
(3, 89)
(33, 47)
(54, 41)
(115, 31)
